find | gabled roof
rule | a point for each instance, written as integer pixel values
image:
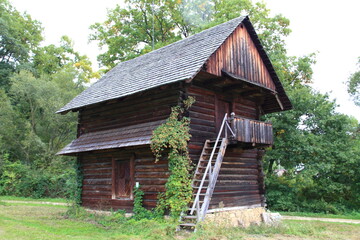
(176, 62)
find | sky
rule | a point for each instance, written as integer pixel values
(328, 27)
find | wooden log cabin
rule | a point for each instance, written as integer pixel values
(228, 72)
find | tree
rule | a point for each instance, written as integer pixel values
(353, 85)
(130, 31)
(52, 59)
(20, 35)
(319, 149)
(34, 83)
(132, 28)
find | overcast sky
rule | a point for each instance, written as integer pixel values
(328, 27)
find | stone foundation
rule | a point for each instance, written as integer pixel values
(236, 217)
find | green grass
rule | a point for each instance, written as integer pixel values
(353, 215)
(290, 229)
(12, 198)
(47, 222)
(31, 204)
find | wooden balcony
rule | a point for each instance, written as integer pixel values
(251, 132)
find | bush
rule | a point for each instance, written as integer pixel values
(303, 192)
(18, 179)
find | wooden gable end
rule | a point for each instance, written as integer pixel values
(239, 56)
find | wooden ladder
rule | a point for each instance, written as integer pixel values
(204, 180)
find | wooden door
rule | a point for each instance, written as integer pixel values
(122, 178)
(222, 107)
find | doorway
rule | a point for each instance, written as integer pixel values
(122, 178)
(222, 107)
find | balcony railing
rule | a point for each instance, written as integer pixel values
(251, 131)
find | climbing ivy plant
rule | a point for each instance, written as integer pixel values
(171, 139)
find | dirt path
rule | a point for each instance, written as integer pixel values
(34, 202)
(338, 220)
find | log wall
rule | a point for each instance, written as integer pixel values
(152, 106)
(238, 55)
(97, 177)
(202, 119)
(238, 182)
(139, 108)
(203, 115)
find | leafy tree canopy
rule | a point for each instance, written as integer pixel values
(353, 85)
(20, 35)
(139, 24)
(52, 59)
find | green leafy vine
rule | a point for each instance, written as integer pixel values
(172, 138)
(139, 211)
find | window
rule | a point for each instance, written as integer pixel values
(122, 178)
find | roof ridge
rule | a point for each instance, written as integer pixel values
(180, 41)
(194, 35)
(177, 61)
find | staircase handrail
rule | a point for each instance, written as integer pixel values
(208, 168)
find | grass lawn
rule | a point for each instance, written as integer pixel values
(11, 198)
(353, 215)
(31, 221)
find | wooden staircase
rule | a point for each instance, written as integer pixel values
(204, 180)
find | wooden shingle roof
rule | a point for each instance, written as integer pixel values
(175, 62)
(134, 135)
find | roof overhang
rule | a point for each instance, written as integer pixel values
(134, 135)
(282, 97)
(270, 94)
(269, 99)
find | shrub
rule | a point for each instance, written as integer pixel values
(18, 179)
(303, 192)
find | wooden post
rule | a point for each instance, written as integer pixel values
(232, 124)
(260, 154)
(132, 174)
(113, 177)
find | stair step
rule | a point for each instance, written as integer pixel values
(190, 217)
(188, 224)
(207, 160)
(203, 167)
(211, 147)
(201, 173)
(208, 154)
(202, 160)
(197, 187)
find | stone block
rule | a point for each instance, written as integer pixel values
(271, 218)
